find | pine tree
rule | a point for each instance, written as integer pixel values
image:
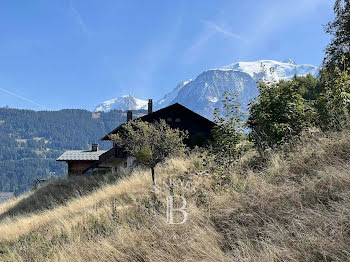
(340, 30)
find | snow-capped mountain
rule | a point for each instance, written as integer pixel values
(168, 98)
(272, 70)
(126, 102)
(205, 92)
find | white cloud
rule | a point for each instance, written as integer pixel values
(23, 98)
(210, 30)
(221, 29)
(78, 18)
(277, 17)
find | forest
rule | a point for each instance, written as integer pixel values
(30, 142)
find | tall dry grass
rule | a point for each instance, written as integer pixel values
(291, 205)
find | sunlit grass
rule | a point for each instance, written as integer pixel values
(290, 205)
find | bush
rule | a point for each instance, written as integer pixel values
(334, 102)
(228, 133)
(282, 110)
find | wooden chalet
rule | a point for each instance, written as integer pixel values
(176, 116)
(80, 160)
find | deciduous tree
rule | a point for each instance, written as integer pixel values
(340, 31)
(150, 143)
(280, 112)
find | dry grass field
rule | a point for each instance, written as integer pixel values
(293, 205)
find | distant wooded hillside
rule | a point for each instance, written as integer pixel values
(30, 141)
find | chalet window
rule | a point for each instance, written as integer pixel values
(177, 120)
(169, 119)
(125, 164)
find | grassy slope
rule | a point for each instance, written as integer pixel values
(296, 207)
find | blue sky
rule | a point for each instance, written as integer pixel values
(57, 54)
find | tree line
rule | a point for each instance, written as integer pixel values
(30, 142)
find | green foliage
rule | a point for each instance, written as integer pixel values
(339, 46)
(228, 133)
(309, 87)
(282, 110)
(334, 103)
(150, 143)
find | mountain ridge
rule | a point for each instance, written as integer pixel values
(204, 93)
(125, 102)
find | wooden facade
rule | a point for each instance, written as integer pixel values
(176, 116)
(76, 168)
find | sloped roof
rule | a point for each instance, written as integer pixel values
(5, 197)
(81, 155)
(156, 114)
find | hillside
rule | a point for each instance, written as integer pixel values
(30, 142)
(294, 205)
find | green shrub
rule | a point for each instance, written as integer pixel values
(228, 133)
(334, 102)
(282, 110)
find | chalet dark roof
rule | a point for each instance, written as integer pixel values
(81, 155)
(157, 114)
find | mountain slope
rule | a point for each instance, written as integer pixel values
(30, 141)
(273, 70)
(205, 92)
(169, 98)
(126, 102)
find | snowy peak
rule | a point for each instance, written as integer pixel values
(272, 70)
(205, 92)
(168, 98)
(289, 61)
(126, 102)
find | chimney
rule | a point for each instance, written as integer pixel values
(128, 115)
(150, 106)
(94, 147)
